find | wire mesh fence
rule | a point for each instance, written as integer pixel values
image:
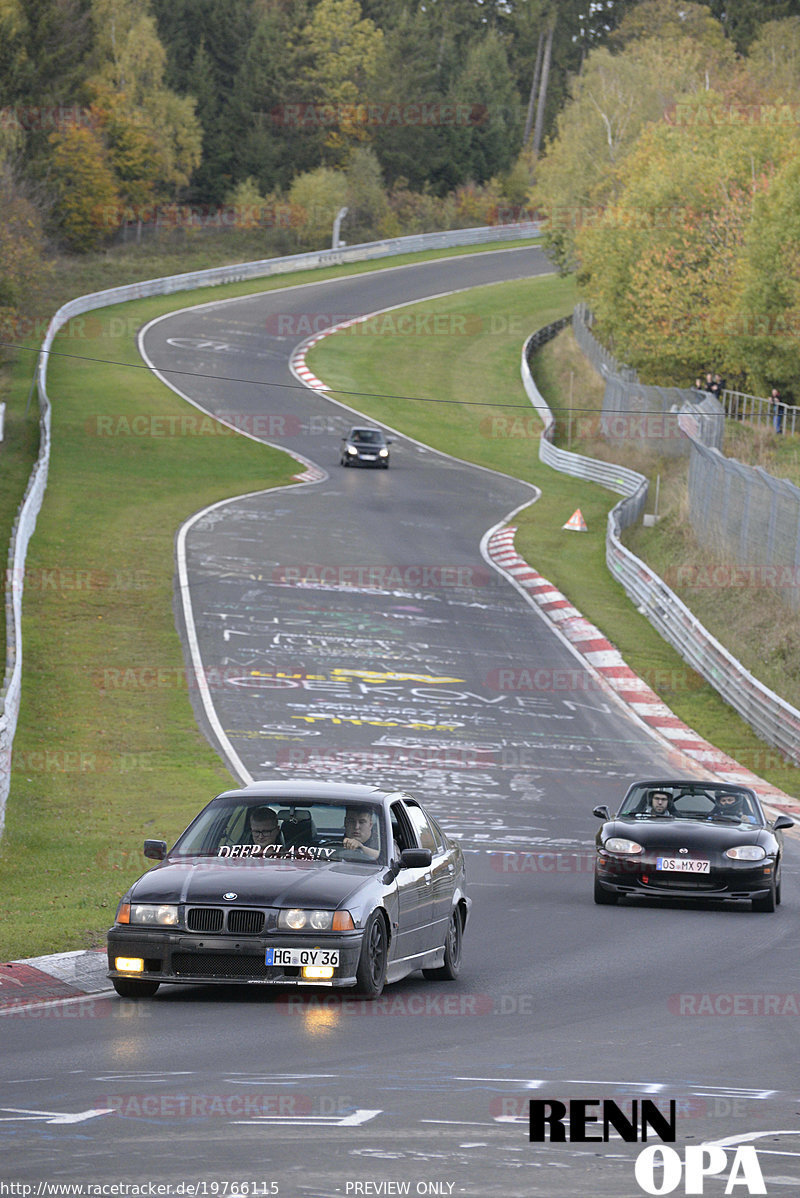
(771, 716)
(641, 414)
(743, 513)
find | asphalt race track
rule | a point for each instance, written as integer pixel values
(353, 629)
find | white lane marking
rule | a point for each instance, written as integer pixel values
(748, 1136)
(464, 1122)
(354, 1119)
(21, 1114)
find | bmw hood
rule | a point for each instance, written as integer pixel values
(257, 884)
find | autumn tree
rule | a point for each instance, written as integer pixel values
(342, 52)
(774, 59)
(87, 207)
(317, 196)
(659, 264)
(23, 269)
(151, 129)
(613, 100)
(671, 20)
(765, 306)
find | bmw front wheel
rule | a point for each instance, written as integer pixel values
(371, 972)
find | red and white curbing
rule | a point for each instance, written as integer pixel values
(312, 474)
(297, 361)
(606, 660)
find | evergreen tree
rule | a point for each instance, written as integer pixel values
(44, 48)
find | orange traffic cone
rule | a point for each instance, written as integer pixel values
(576, 522)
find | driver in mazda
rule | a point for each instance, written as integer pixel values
(732, 805)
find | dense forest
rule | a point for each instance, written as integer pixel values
(658, 141)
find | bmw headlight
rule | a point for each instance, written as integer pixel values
(163, 915)
(294, 919)
(746, 852)
(618, 844)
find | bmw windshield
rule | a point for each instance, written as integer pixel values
(231, 829)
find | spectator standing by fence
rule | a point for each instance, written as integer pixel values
(777, 410)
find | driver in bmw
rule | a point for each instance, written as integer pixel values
(361, 833)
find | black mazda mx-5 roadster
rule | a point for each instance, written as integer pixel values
(689, 839)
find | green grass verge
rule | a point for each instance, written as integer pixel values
(18, 449)
(107, 749)
(484, 370)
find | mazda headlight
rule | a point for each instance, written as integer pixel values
(618, 844)
(164, 915)
(746, 852)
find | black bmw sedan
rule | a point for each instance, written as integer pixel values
(689, 839)
(295, 884)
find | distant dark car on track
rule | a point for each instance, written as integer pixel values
(294, 884)
(365, 446)
(689, 839)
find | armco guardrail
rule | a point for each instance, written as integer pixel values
(624, 481)
(771, 716)
(32, 501)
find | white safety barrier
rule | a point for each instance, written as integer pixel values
(767, 713)
(25, 522)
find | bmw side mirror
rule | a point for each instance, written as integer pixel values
(782, 821)
(602, 812)
(156, 850)
(415, 858)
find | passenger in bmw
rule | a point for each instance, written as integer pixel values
(361, 833)
(659, 803)
(264, 826)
